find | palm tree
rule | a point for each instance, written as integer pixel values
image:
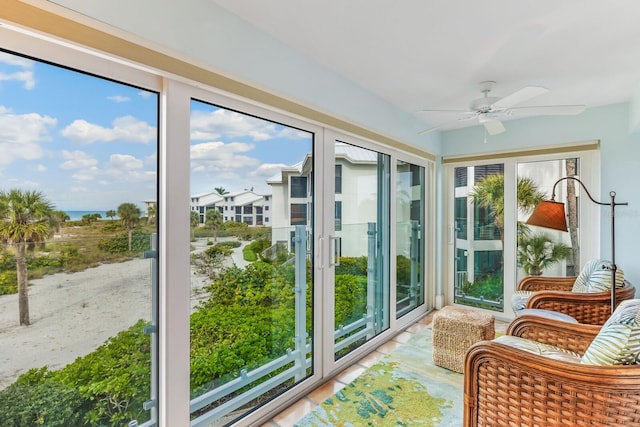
(221, 191)
(489, 194)
(213, 220)
(151, 213)
(194, 221)
(24, 220)
(57, 219)
(537, 252)
(129, 213)
(110, 214)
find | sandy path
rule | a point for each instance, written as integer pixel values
(73, 314)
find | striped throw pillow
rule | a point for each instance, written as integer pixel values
(534, 347)
(595, 276)
(618, 342)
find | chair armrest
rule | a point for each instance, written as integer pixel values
(590, 308)
(508, 386)
(570, 336)
(538, 283)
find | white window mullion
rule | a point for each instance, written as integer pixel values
(174, 259)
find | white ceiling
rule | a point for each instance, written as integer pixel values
(432, 54)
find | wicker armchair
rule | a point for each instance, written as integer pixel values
(554, 293)
(507, 386)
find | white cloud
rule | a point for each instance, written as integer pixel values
(25, 75)
(152, 159)
(41, 168)
(79, 189)
(216, 157)
(20, 135)
(144, 94)
(224, 123)
(29, 184)
(127, 169)
(125, 129)
(118, 98)
(85, 175)
(84, 166)
(77, 160)
(19, 61)
(267, 170)
(123, 162)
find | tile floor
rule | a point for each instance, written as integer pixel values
(306, 404)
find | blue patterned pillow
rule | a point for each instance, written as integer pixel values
(519, 300)
(618, 342)
(596, 277)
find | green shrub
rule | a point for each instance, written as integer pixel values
(115, 378)
(140, 242)
(253, 250)
(8, 282)
(227, 339)
(350, 300)
(403, 270)
(104, 388)
(354, 266)
(229, 244)
(36, 399)
(489, 287)
(248, 254)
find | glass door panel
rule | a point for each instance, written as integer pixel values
(479, 236)
(542, 251)
(78, 205)
(360, 246)
(409, 237)
(252, 233)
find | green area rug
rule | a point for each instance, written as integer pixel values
(404, 388)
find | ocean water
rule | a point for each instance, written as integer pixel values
(77, 215)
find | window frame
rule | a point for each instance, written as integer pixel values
(589, 160)
(173, 395)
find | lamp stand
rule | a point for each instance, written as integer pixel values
(551, 214)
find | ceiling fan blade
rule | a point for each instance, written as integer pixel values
(548, 110)
(493, 126)
(444, 111)
(519, 96)
(467, 116)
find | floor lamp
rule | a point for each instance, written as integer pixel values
(551, 214)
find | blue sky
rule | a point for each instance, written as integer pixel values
(88, 143)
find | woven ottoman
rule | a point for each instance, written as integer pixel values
(455, 330)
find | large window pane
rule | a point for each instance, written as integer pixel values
(77, 214)
(479, 206)
(251, 282)
(543, 251)
(409, 237)
(361, 247)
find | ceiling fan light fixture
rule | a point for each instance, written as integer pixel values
(489, 110)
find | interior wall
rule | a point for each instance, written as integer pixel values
(619, 156)
(202, 30)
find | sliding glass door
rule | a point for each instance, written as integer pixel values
(410, 241)
(543, 251)
(479, 235)
(252, 200)
(360, 246)
(491, 246)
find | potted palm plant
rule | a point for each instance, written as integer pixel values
(538, 251)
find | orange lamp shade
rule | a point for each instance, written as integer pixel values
(549, 214)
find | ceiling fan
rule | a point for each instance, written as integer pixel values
(488, 110)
